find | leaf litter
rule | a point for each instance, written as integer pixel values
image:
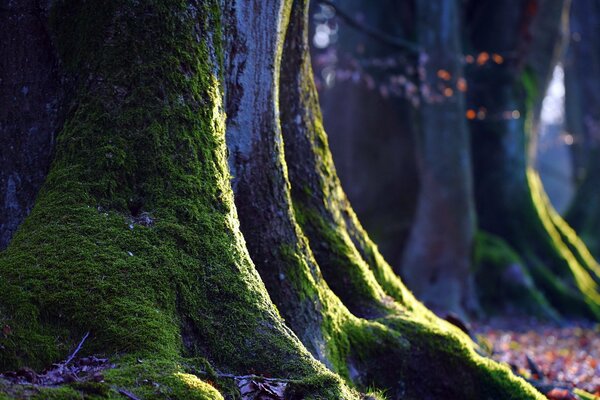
(562, 361)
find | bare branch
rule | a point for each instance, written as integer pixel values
(371, 31)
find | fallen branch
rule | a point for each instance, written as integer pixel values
(127, 394)
(74, 353)
(244, 377)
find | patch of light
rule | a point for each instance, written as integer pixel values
(321, 37)
(553, 106)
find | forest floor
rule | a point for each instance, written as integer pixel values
(562, 361)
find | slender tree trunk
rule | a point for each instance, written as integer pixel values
(507, 95)
(369, 119)
(437, 259)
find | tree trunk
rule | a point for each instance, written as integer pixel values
(134, 236)
(349, 261)
(31, 94)
(507, 94)
(582, 100)
(437, 258)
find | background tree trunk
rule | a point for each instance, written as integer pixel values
(31, 93)
(369, 118)
(437, 259)
(510, 200)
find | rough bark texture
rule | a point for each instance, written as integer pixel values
(144, 138)
(437, 258)
(31, 92)
(510, 200)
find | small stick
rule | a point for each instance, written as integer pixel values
(129, 395)
(74, 353)
(253, 377)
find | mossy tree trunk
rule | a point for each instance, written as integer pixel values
(437, 258)
(582, 109)
(510, 200)
(135, 237)
(144, 136)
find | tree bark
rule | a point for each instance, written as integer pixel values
(437, 259)
(31, 92)
(134, 236)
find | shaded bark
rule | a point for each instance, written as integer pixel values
(31, 93)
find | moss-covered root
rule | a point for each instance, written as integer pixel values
(134, 236)
(349, 261)
(581, 267)
(503, 282)
(440, 363)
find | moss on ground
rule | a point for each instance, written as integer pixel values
(146, 379)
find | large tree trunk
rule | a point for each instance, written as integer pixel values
(510, 200)
(134, 236)
(437, 258)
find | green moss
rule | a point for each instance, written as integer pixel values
(145, 133)
(448, 356)
(151, 379)
(582, 274)
(503, 283)
(147, 379)
(343, 268)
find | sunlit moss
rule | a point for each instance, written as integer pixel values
(145, 134)
(585, 282)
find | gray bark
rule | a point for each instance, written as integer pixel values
(437, 258)
(31, 94)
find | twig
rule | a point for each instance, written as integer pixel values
(373, 32)
(127, 394)
(74, 353)
(240, 377)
